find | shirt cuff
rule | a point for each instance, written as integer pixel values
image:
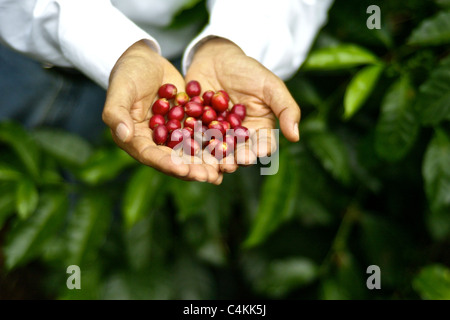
(93, 40)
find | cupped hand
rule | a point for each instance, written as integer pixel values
(221, 64)
(133, 87)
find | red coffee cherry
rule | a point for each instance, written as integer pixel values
(167, 91)
(241, 134)
(181, 99)
(160, 134)
(207, 95)
(193, 88)
(156, 120)
(176, 112)
(197, 99)
(217, 125)
(219, 102)
(234, 120)
(193, 109)
(161, 106)
(191, 147)
(209, 114)
(191, 122)
(176, 137)
(239, 110)
(173, 124)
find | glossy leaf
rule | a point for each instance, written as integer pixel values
(23, 144)
(339, 57)
(141, 194)
(432, 31)
(433, 101)
(433, 282)
(436, 174)
(64, 146)
(27, 198)
(360, 88)
(331, 152)
(278, 197)
(105, 165)
(26, 239)
(87, 228)
(397, 126)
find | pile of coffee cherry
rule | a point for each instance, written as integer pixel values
(194, 121)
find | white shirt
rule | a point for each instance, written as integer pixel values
(91, 35)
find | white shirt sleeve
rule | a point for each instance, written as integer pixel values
(278, 34)
(89, 35)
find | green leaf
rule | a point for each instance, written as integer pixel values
(433, 101)
(9, 172)
(64, 146)
(25, 241)
(278, 197)
(88, 227)
(191, 198)
(23, 144)
(332, 153)
(141, 194)
(283, 276)
(339, 57)
(346, 280)
(433, 283)
(7, 201)
(436, 174)
(105, 165)
(432, 31)
(397, 126)
(27, 198)
(443, 3)
(360, 89)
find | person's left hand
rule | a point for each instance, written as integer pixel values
(220, 64)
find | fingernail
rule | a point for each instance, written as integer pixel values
(122, 132)
(296, 132)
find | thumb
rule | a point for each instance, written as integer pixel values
(283, 105)
(116, 112)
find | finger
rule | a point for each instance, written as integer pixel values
(219, 179)
(264, 142)
(278, 97)
(116, 112)
(244, 154)
(228, 164)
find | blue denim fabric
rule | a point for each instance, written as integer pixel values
(36, 96)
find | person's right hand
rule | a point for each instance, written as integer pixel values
(133, 86)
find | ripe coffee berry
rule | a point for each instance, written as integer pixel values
(241, 134)
(160, 134)
(176, 112)
(219, 102)
(167, 91)
(161, 106)
(197, 99)
(193, 109)
(218, 126)
(197, 121)
(189, 122)
(191, 147)
(207, 95)
(209, 114)
(234, 120)
(225, 124)
(156, 120)
(193, 88)
(181, 99)
(239, 110)
(173, 124)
